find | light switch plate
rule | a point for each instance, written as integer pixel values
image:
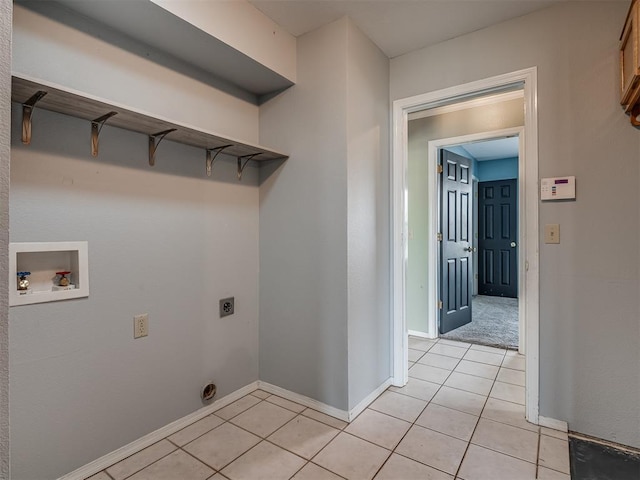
(552, 233)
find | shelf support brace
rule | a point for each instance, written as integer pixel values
(153, 145)
(635, 112)
(27, 111)
(96, 128)
(241, 165)
(212, 158)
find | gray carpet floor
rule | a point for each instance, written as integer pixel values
(495, 323)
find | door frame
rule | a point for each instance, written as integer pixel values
(528, 211)
(434, 212)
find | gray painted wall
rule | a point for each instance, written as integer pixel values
(589, 302)
(5, 153)
(324, 258)
(368, 216)
(75, 52)
(167, 241)
(422, 130)
(303, 226)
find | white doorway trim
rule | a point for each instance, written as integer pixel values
(528, 183)
(433, 260)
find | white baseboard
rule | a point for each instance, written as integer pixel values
(303, 400)
(157, 435)
(416, 333)
(553, 423)
(323, 407)
(358, 409)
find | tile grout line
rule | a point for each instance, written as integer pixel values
(324, 468)
(462, 411)
(343, 428)
(215, 470)
(266, 439)
(538, 452)
(469, 443)
(324, 423)
(413, 424)
(472, 434)
(149, 464)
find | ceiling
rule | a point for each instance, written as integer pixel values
(492, 149)
(396, 26)
(400, 26)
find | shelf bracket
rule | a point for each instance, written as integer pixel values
(153, 145)
(634, 114)
(241, 165)
(212, 158)
(27, 111)
(96, 128)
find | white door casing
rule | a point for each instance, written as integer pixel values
(528, 261)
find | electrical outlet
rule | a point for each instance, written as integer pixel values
(227, 306)
(141, 325)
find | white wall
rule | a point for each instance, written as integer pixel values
(368, 215)
(421, 130)
(324, 258)
(5, 153)
(167, 241)
(589, 307)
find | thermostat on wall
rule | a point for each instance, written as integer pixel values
(558, 188)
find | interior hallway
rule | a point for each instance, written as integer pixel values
(460, 416)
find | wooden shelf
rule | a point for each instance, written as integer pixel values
(149, 23)
(69, 102)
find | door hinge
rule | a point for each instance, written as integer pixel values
(439, 168)
(439, 237)
(440, 304)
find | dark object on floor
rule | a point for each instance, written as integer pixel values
(494, 323)
(594, 461)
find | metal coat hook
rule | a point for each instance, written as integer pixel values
(241, 165)
(212, 158)
(96, 128)
(153, 145)
(27, 111)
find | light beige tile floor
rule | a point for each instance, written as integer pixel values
(461, 416)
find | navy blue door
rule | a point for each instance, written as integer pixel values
(497, 238)
(456, 273)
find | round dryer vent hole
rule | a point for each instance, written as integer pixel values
(208, 391)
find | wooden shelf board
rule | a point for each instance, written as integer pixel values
(76, 104)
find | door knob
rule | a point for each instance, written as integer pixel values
(468, 249)
(513, 244)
